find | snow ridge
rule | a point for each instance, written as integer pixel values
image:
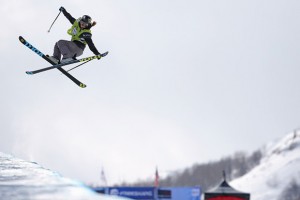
(279, 166)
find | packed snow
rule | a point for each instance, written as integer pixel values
(280, 165)
(20, 180)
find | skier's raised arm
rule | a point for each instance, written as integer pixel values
(67, 15)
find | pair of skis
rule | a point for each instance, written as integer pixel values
(59, 66)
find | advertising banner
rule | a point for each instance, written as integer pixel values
(142, 193)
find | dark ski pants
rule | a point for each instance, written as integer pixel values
(66, 48)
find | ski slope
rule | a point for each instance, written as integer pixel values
(279, 166)
(20, 180)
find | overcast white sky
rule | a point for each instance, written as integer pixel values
(185, 82)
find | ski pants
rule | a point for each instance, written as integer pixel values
(66, 48)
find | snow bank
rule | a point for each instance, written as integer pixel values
(20, 179)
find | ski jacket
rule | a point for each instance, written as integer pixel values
(80, 37)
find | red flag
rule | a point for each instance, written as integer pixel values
(156, 181)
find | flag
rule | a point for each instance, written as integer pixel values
(103, 178)
(156, 181)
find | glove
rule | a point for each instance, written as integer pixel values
(62, 9)
(99, 56)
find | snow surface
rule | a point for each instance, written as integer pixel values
(279, 166)
(20, 180)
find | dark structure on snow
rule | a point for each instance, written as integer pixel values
(225, 192)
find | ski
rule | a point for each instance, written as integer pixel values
(67, 63)
(35, 50)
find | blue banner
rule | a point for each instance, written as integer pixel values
(143, 193)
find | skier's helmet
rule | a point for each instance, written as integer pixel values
(86, 19)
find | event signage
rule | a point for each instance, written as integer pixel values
(143, 193)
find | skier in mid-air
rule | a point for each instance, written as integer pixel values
(81, 36)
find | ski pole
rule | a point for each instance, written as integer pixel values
(78, 65)
(54, 21)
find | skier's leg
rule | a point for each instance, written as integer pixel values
(69, 49)
(64, 49)
(56, 52)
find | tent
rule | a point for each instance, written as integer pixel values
(225, 192)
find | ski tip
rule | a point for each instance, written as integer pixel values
(104, 54)
(21, 39)
(29, 73)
